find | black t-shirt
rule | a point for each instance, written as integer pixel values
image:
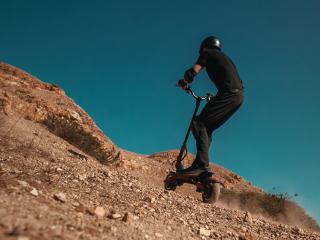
(221, 70)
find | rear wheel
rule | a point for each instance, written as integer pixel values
(211, 192)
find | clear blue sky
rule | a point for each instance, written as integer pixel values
(120, 60)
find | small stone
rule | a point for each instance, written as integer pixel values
(191, 222)
(88, 210)
(60, 197)
(75, 115)
(23, 183)
(57, 229)
(244, 229)
(247, 217)
(204, 232)
(159, 235)
(76, 204)
(297, 230)
(242, 237)
(23, 238)
(128, 217)
(115, 216)
(34, 192)
(82, 177)
(150, 200)
(100, 212)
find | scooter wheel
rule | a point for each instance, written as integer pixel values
(170, 186)
(211, 193)
(169, 183)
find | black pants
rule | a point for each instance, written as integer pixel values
(216, 112)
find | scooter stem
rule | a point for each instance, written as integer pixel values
(183, 149)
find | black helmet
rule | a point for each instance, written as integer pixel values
(209, 43)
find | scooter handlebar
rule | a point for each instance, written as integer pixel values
(207, 97)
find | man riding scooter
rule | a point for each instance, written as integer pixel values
(223, 73)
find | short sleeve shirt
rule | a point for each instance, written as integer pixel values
(221, 70)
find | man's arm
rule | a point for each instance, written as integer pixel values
(189, 76)
(197, 68)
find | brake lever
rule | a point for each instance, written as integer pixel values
(209, 97)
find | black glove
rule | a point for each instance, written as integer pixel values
(189, 75)
(183, 84)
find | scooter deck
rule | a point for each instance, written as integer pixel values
(189, 178)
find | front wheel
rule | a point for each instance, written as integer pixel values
(170, 183)
(170, 186)
(211, 192)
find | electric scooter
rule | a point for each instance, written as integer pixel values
(204, 182)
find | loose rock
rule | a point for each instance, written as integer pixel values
(23, 238)
(128, 217)
(34, 192)
(23, 183)
(60, 197)
(115, 216)
(159, 235)
(100, 212)
(248, 217)
(204, 232)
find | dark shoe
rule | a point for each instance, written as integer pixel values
(191, 168)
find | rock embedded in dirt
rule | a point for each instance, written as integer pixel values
(60, 197)
(158, 235)
(242, 237)
(82, 177)
(23, 183)
(23, 238)
(248, 217)
(115, 216)
(100, 212)
(204, 232)
(297, 230)
(75, 204)
(128, 217)
(87, 210)
(34, 192)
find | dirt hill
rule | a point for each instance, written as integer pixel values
(62, 178)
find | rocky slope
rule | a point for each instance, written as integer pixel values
(62, 178)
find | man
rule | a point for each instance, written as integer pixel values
(223, 73)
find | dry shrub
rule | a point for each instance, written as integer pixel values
(277, 207)
(71, 131)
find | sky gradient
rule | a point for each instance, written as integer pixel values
(119, 60)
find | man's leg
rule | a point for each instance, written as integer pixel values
(203, 141)
(214, 114)
(220, 109)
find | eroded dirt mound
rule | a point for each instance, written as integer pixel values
(24, 96)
